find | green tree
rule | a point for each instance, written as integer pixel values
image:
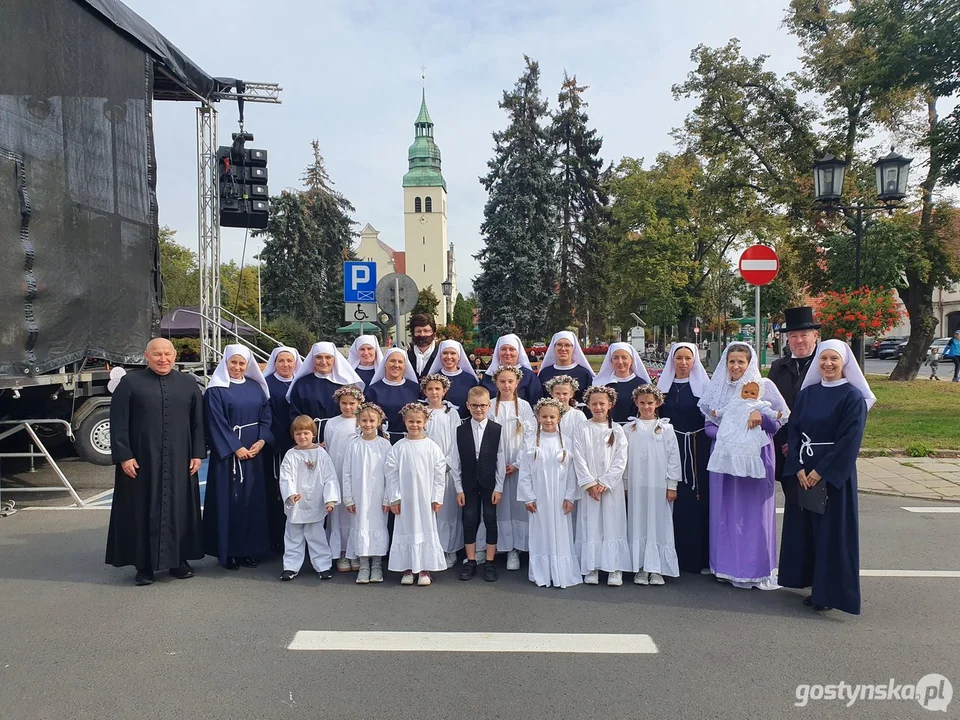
(427, 302)
(238, 291)
(517, 277)
(463, 313)
(178, 272)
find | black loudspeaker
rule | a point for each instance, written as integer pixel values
(244, 195)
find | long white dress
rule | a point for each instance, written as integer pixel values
(308, 472)
(415, 475)
(601, 537)
(653, 467)
(512, 520)
(337, 435)
(736, 450)
(364, 487)
(441, 428)
(571, 420)
(547, 477)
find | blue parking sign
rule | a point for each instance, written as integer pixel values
(359, 282)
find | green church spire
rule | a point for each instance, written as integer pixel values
(424, 155)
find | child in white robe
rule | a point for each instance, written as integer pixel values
(338, 432)
(308, 486)
(547, 487)
(653, 471)
(441, 428)
(600, 458)
(415, 473)
(737, 449)
(565, 388)
(363, 494)
(516, 417)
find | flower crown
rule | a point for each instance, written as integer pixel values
(547, 402)
(351, 390)
(550, 384)
(373, 407)
(435, 377)
(414, 407)
(508, 368)
(600, 390)
(648, 389)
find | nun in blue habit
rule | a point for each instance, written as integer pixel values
(624, 371)
(324, 372)
(281, 367)
(822, 551)
(564, 356)
(237, 411)
(509, 351)
(364, 357)
(394, 385)
(454, 364)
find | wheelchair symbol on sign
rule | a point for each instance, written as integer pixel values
(360, 314)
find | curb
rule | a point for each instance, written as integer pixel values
(894, 493)
(900, 452)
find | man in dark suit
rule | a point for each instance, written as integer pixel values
(423, 350)
(478, 466)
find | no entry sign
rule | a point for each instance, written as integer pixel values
(759, 264)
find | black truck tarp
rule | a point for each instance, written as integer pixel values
(78, 213)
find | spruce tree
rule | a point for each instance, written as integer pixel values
(583, 247)
(517, 277)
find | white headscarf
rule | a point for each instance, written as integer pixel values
(221, 376)
(508, 339)
(722, 389)
(463, 362)
(606, 374)
(408, 373)
(342, 373)
(550, 357)
(698, 374)
(354, 355)
(851, 371)
(271, 367)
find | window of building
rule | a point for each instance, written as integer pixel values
(416, 205)
(429, 204)
(424, 268)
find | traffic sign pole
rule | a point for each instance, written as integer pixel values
(757, 322)
(396, 295)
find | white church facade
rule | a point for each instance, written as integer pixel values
(427, 255)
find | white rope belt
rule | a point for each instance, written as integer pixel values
(688, 448)
(806, 446)
(237, 463)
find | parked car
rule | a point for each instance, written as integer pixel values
(937, 347)
(870, 346)
(891, 348)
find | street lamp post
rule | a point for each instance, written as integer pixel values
(891, 171)
(447, 288)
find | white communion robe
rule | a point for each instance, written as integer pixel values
(337, 436)
(653, 467)
(547, 477)
(571, 420)
(601, 537)
(736, 450)
(309, 473)
(415, 475)
(441, 428)
(512, 520)
(364, 487)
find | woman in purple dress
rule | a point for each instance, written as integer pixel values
(743, 529)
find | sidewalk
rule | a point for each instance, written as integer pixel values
(926, 478)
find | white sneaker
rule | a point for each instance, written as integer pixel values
(706, 571)
(363, 576)
(513, 560)
(376, 570)
(355, 565)
(656, 579)
(615, 578)
(451, 559)
(343, 565)
(592, 577)
(424, 579)
(641, 578)
(407, 578)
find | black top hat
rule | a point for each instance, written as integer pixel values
(799, 318)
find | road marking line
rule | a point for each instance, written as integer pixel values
(473, 642)
(932, 509)
(911, 573)
(71, 507)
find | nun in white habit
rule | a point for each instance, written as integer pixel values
(564, 356)
(509, 351)
(623, 370)
(453, 362)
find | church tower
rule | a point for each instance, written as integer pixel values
(425, 213)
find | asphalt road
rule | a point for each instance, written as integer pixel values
(79, 640)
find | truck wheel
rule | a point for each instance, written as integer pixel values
(93, 437)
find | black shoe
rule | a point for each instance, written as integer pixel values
(468, 570)
(287, 575)
(326, 574)
(277, 548)
(248, 562)
(232, 564)
(822, 608)
(182, 572)
(489, 571)
(808, 601)
(144, 577)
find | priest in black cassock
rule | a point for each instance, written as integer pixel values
(157, 441)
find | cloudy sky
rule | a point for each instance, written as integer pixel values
(350, 73)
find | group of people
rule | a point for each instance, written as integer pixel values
(408, 455)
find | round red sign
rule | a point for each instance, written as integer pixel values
(759, 264)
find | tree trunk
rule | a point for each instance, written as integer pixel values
(685, 327)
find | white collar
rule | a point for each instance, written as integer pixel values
(241, 381)
(479, 424)
(628, 378)
(451, 374)
(685, 381)
(565, 367)
(394, 383)
(366, 367)
(834, 383)
(322, 376)
(283, 379)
